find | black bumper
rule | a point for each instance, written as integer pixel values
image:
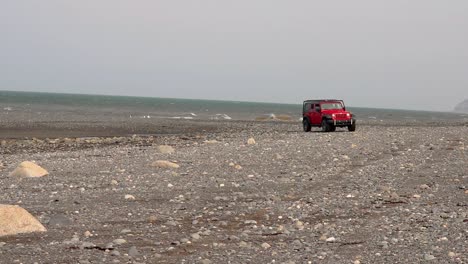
(341, 123)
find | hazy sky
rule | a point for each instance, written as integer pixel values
(410, 54)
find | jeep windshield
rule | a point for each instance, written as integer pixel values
(332, 106)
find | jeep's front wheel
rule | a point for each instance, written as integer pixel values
(352, 127)
(325, 126)
(306, 125)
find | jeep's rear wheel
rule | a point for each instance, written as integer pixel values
(332, 128)
(352, 127)
(306, 125)
(325, 126)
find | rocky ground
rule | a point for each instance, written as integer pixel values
(383, 194)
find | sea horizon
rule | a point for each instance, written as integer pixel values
(187, 108)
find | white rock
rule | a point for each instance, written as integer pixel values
(165, 164)
(129, 197)
(28, 169)
(119, 241)
(266, 246)
(330, 239)
(251, 141)
(429, 257)
(195, 236)
(165, 149)
(15, 220)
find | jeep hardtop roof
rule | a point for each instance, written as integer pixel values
(322, 100)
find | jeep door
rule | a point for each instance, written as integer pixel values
(315, 115)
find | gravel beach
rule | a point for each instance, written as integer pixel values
(395, 193)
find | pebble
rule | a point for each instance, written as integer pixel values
(424, 186)
(195, 236)
(330, 239)
(119, 241)
(87, 234)
(206, 261)
(152, 218)
(429, 257)
(129, 197)
(299, 225)
(133, 252)
(266, 246)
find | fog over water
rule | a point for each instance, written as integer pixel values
(371, 53)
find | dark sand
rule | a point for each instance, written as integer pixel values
(387, 193)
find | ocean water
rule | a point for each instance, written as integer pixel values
(62, 106)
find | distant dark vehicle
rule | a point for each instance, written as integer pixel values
(327, 114)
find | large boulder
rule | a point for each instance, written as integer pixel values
(15, 220)
(28, 169)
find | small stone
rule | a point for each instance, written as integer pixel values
(416, 196)
(195, 236)
(87, 234)
(237, 167)
(206, 261)
(165, 164)
(119, 241)
(250, 222)
(125, 231)
(424, 187)
(87, 245)
(299, 225)
(266, 246)
(169, 185)
(243, 244)
(114, 182)
(429, 257)
(330, 240)
(452, 254)
(115, 253)
(129, 197)
(165, 149)
(2, 244)
(133, 252)
(251, 141)
(152, 218)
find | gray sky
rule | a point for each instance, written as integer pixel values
(374, 53)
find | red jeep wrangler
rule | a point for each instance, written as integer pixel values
(327, 114)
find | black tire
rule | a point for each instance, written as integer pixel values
(332, 128)
(306, 125)
(352, 127)
(325, 126)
